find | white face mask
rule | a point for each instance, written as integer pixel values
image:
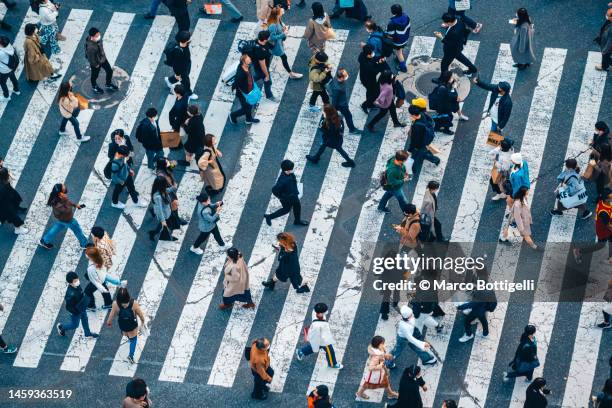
(98, 38)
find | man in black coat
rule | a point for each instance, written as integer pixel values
(286, 191)
(452, 44)
(76, 302)
(94, 51)
(178, 113)
(369, 68)
(180, 58)
(421, 135)
(147, 133)
(500, 103)
(178, 9)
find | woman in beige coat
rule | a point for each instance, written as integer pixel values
(236, 281)
(127, 309)
(319, 29)
(69, 109)
(377, 375)
(211, 172)
(522, 216)
(37, 66)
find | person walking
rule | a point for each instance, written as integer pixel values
(410, 229)
(502, 165)
(603, 231)
(178, 112)
(49, 31)
(236, 281)
(160, 197)
(601, 136)
(262, 57)
(319, 76)
(211, 171)
(369, 68)
(98, 278)
(319, 397)
(69, 109)
(286, 190)
(164, 168)
(148, 134)
(375, 40)
(430, 208)
(94, 51)
(208, 216)
(471, 24)
(122, 176)
(333, 130)
(393, 179)
(475, 309)
(278, 34)
(399, 30)
(319, 29)
(409, 335)
(179, 10)
(526, 356)
(233, 10)
(288, 264)
(36, 64)
(9, 61)
(180, 60)
(535, 395)
(521, 214)
(385, 102)
(377, 375)
(150, 15)
(599, 169)
(339, 99)
(243, 85)
(500, 103)
(570, 182)
(119, 138)
(445, 101)
(409, 389)
(604, 40)
(422, 134)
(521, 45)
(136, 394)
(319, 337)
(63, 211)
(259, 363)
(10, 203)
(76, 302)
(194, 128)
(128, 312)
(104, 245)
(453, 41)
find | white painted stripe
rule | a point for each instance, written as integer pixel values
(484, 349)
(30, 17)
(19, 260)
(44, 97)
(236, 192)
(241, 321)
(429, 171)
(124, 236)
(69, 254)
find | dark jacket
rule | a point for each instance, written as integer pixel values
(369, 68)
(180, 58)
(332, 136)
(113, 146)
(527, 351)
(419, 137)
(478, 308)
(178, 113)
(74, 298)
(288, 265)
(454, 39)
(338, 94)
(286, 187)
(534, 399)
(176, 7)
(9, 202)
(195, 134)
(448, 99)
(243, 82)
(409, 391)
(147, 133)
(94, 51)
(599, 140)
(505, 103)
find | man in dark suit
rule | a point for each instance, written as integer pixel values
(178, 113)
(178, 9)
(452, 44)
(147, 133)
(286, 191)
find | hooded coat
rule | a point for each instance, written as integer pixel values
(317, 32)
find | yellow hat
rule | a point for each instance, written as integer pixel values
(419, 103)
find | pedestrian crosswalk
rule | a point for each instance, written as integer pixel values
(347, 286)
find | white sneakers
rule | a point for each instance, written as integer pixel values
(64, 133)
(500, 196)
(84, 139)
(193, 96)
(463, 118)
(119, 205)
(141, 204)
(197, 251)
(295, 75)
(5, 98)
(21, 230)
(465, 338)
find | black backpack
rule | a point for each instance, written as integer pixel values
(428, 124)
(246, 47)
(382, 178)
(435, 98)
(108, 169)
(13, 61)
(169, 53)
(387, 46)
(127, 318)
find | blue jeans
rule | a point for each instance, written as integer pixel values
(133, 341)
(75, 123)
(154, 7)
(74, 323)
(152, 156)
(494, 127)
(60, 225)
(399, 194)
(267, 85)
(400, 345)
(231, 8)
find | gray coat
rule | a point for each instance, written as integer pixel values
(162, 208)
(429, 206)
(521, 45)
(207, 217)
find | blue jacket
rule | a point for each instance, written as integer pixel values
(277, 36)
(375, 40)
(207, 217)
(520, 178)
(399, 29)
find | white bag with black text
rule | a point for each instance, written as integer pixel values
(572, 201)
(462, 5)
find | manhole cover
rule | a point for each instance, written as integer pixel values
(81, 84)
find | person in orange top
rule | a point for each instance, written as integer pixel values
(259, 362)
(319, 397)
(409, 228)
(603, 228)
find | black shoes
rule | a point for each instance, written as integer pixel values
(269, 284)
(5, 26)
(97, 89)
(268, 220)
(349, 163)
(112, 87)
(312, 159)
(149, 16)
(399, 125)
(300, 222)
(45, 244)
(303, 289)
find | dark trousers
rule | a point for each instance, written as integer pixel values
(74, 121)
(204, 236)
(382, 112)
(95, 71)
(74, 322)
(4, 78)
(443, 121)
(285, 62)
(438, 229)
(267, 84)
(448, 58)
(245, 108)
(182, 20)
(184, 80)
(129, 183)
(468, 21)
(316, 94)
(260, 389)
(389, 298)
(514, 374)
(372, 91)
(467, 323)
(339, 149)
(287, 205)
(420, 155)
(2, 343)
(348, 117)
(12, 218)
(89, 291)
(606, 60)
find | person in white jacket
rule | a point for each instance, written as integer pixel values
(407, 334)
(501, 156)
(98, 278)
(319, 336)
(7, 57)
(49, 32)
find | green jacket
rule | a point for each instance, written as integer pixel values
(316, 76)
(395, 175)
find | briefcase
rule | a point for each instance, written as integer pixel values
(170, 139)
(494, 139)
